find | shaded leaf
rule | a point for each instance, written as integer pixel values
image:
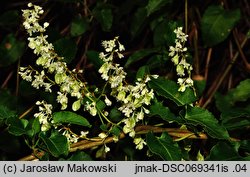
(71, 118)
(116, 130)
(57, 144)
(78, 26)
(157, 109)
(235, 111)
(66, 48)
(139, 21)
(142, 71)
(115, 115)
(164, 33)
(169, 89)
(163, 146)
(138, 55)
(93, 57)
(154, 5)
(200, 116)
(9, 19)
(223, 152)
(217, 23)
(80, 156)
(240, 93)
(6, 113)
(105, 17)
(33, 127)
(17, 126)
(11, 50)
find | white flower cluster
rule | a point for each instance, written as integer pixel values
(133, 98)
(49, 60)
(178, 54)
(45, 115)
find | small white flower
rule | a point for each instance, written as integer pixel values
(107, 101)
(102, 135)
(139, 143)
(84, 134)
(106, 148)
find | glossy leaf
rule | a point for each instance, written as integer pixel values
(142, 71)
(169, 90)
(217, 23)
(157, 109)
(163, 146)
(223, 152)
(57, 144)
(71, 118)
(200, 116)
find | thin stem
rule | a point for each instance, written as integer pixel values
(186, 16)
(224, 74)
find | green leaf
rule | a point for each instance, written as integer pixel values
(142, 71)
(115, 130)
(66, 48)
(157, 109)
(33, 127)
(93, 57)
(6, 113)
(11, 50)
(138, 21)
(57, 144)
(17, 126)
(169, 89)
(223, 152)
(235, 111)
(164, 33)
(240, 93)
(163, 146)
(200, 116)
(100, 105)
(154, 5)
(105, 17)
(79, 26)
(217, 23)
(115, 115)
(80, 156)
(138, 55)
(70, 117)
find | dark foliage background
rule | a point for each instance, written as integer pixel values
(218, 49)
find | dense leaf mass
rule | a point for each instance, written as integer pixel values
(124, 80)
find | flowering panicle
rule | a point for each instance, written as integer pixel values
(50, 61)
(179, 59)
(133, 98)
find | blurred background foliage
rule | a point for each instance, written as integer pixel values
(219, 51)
